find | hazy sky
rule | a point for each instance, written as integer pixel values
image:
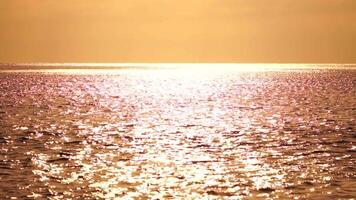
(178, 31)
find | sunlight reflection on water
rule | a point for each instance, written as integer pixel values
(180, 134)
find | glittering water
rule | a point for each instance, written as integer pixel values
(178, 134)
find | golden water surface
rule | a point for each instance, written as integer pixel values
(178, 134)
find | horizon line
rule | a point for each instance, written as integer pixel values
(173, 63)
(142, 66)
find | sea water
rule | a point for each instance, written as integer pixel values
(237, 132)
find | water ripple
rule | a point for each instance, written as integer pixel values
(157, 134)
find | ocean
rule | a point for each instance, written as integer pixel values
(178, 131)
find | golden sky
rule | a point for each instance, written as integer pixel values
(178, 31)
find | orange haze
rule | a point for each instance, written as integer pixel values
(178, 31)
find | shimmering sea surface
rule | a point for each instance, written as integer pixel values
(280, 133)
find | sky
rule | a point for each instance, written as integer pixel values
(214, 31)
